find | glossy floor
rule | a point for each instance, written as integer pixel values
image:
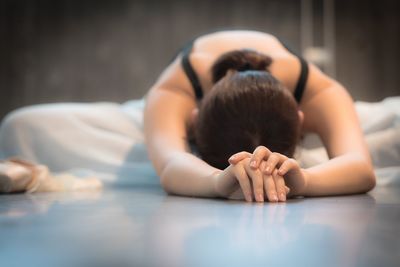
(143, 226)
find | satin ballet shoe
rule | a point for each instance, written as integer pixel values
(14, 177)
(17, 175)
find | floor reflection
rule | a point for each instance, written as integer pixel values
(20, 205)
(145, 227)
(236, 234)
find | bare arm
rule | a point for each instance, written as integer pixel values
(331, 114)
(167, 110)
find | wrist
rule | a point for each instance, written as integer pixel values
(300, 184)
(306, 178)
(215, 178)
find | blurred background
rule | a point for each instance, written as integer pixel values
(92, 50)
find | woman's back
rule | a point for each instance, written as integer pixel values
(206, 49)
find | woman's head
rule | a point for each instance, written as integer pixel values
(246, 107)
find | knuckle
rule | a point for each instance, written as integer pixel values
(270, 161)
(261, 148)
(255, 157)
(274, 157)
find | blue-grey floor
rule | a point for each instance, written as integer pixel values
(142, 226)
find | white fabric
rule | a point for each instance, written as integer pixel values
(102, 140)
(106, 140)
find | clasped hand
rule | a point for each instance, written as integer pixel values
(263, 175)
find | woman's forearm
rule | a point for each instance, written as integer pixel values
(347, 174)
(187, 175)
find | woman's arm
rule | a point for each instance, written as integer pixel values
(167, 110)
(329, 111)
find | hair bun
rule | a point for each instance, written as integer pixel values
(239, 60)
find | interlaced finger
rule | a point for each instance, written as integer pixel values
(244, 181)
(288, 165)
(260, 153)
(257, 182)
(280, 185)
(272, 162)
(236, 158)
(270, 189)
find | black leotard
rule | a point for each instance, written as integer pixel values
(194, 80)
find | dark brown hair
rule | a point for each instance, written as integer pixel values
(246, 107)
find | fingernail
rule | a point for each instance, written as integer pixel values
(267, 170)
(282, 197)
(232, 157)
(274, 198)
(260, 198)
(253, 164)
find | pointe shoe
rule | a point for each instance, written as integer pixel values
(44, 181)
(14, 177)
(18, 175)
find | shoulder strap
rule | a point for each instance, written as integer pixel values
(301, 83)
(189, 71)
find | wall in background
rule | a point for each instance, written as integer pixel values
(57, 51)
(368, 47)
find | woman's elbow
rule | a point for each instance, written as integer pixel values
(369, 178)
(165, 185)
(366, 179)
(371, 182)
(165, 181)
